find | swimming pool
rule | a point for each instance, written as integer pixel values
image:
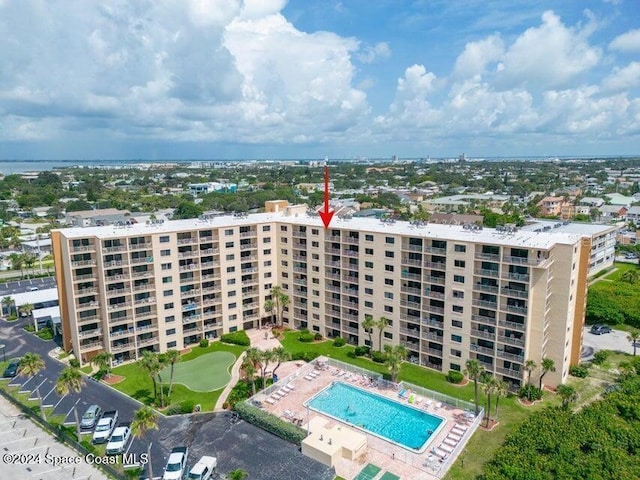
(399, 423)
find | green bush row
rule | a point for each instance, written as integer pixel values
(236, 338)
(270, 423)
(306, 337)
(186, 406)
(305, 356)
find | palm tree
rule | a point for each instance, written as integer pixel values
(237, 474)
(29, 260)
(285, 301)
(279, 355)
(30, 365)
(489, 388)
(71, 380)
(144, 419)
(252, 356)
(633, 338)
(368, 325)
(6, 303)
(276, 293)
(171, 357)
(394, 357)
(547, 365)
(266, 356)
(501, 390)
(269, 307)
(529, 366)
(151, 364)
(162, 362)
(17, 262)
(26, 308)
(250, 371)
(568, 395)
(382, 324)
(631, 276)
(473, 371)
(103, 361)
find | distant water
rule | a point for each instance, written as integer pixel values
(20, 166)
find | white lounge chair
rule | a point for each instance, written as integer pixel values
(270, 401)
(457, 431)
(461, 427)
(347, 376)
(454, 437)
(308, 377)
(440, 453)
(276, 396)
(287, 388)
(450, 442)
(438, 405)
(282, 392)
(446, 448)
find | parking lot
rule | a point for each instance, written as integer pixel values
(616, 340)
(236, 444)
(26, 285)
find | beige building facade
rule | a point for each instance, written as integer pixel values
(450, 292)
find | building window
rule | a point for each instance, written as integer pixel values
(231, 281)
(266, 251)
(164, 239)
(388, 308)
(315, 304)
(368, 291)
(168, 306)
(459, 263)
(266, 228)
(232, 305)
(368, 251)
(231, 269)
(230, 257)
(388, 335)
(316, 293)
(267, 274)
(315, 256)
(458, 294)
(388, 268)
(233, 317)
(232, 293)
(167, 293)
(266, 240)
(228, 232)
(171, 344)
(167, 279)
(457, 309)
(455, 353)
(388, 295)
(166, 266)
(165, 253)
(368, 238)
(368, 278)
(284, 251)
(456, 338)
(283, 228)
(170, 318)
(460, 248)
(228, 245)
(315, 268)
(388, 254)
(170, 331)
(390, 240)
(315, 244)
(368, 264)
(456, 323)
(458, 278)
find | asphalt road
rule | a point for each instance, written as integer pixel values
(616, 340)
(236, 444)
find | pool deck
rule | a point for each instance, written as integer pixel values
(400, 461)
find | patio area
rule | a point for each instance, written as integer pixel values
(301, 381)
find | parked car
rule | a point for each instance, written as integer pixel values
(203, 469)
(91, 417)
(12, 369)
(600, 329)
(105, 426)
(118, 441)
(177, 464)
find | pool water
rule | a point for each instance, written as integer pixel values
(394, 421)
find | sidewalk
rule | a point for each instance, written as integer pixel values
(235, 375)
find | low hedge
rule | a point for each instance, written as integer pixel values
(339, 342)
(306, 337)
(378, 357)
(204, 342)
(580, 371)
(305, 356)
(270, 423)
(236, 338)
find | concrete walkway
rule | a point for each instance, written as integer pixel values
(235, 375)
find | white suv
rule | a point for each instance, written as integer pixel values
(118, 441)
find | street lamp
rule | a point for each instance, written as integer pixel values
(4, 352)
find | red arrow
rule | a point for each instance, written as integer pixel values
(326, 215)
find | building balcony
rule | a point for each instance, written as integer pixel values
(486, 273)
(491, 257)
(414, 305)
(140, 260)
(430, 322)
(121, 347)
(118, 292)
(515, 341)
(436, 266)
(248, 246)
(411, 261)
(483, 319)
(433, 309)
(188, 254)
(153, 327)
(90, 333)
(411, 332)
(209, 251)
(119, 306)
(484, 350)
(187, 240)
(432, 294)
(86, 276)
(412, 276)
(486, 288)
(83, 263)
(145, 274)
(411, 248)
(484, 304)
(433, 351)
(87, 305)
(147, 341)
(436, 280)
(435, 250)
(483, 334)
(83, 248)
(191, 319)
(510, 292)
(512, 325)
(514, 309)
(521, 277)
(144, 286)
(299, 234)
(432, 336)
(144, 301)
(250, 233)
(411, 290)
(190, 293)
(88, 347)
(510, 356)
(410, 345)
(126, 332)
(116, 278)
(510, 372)
(86, 291)
(115, 263)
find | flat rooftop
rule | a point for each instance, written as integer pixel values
(525, 238)
(576, 228)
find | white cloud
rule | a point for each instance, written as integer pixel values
(477, 55)
(548, 56)
(627, 42)
(373, 53)
(623, 78)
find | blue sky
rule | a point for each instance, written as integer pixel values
(314, 78)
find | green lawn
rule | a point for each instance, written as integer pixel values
(138, 384)
(203, 374)
(616, 274)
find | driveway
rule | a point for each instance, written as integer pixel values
(236, 444)
(616, 340)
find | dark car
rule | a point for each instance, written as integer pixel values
(600, 329)
(12, 369)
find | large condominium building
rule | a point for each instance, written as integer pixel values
(450, 292)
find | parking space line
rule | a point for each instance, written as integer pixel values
(22, 439)
(44, 398)
(56, 405)
(71, 410)
(36, 398)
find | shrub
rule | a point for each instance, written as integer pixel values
(600, 356)
(204, 342)
(187, 406)
(304, 356)
(318, 336)
(74, 362)
(30, 328)
(45, 333)
(580, 371)
(361, 351)
(306, 337)
(378, 357)
(530, 392)
(454, 376)
(173, 409)
(304, 330)
(270, 423)
(12, 317)
(236, 338)
(339, 342)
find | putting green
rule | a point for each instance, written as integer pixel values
(205, 373)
